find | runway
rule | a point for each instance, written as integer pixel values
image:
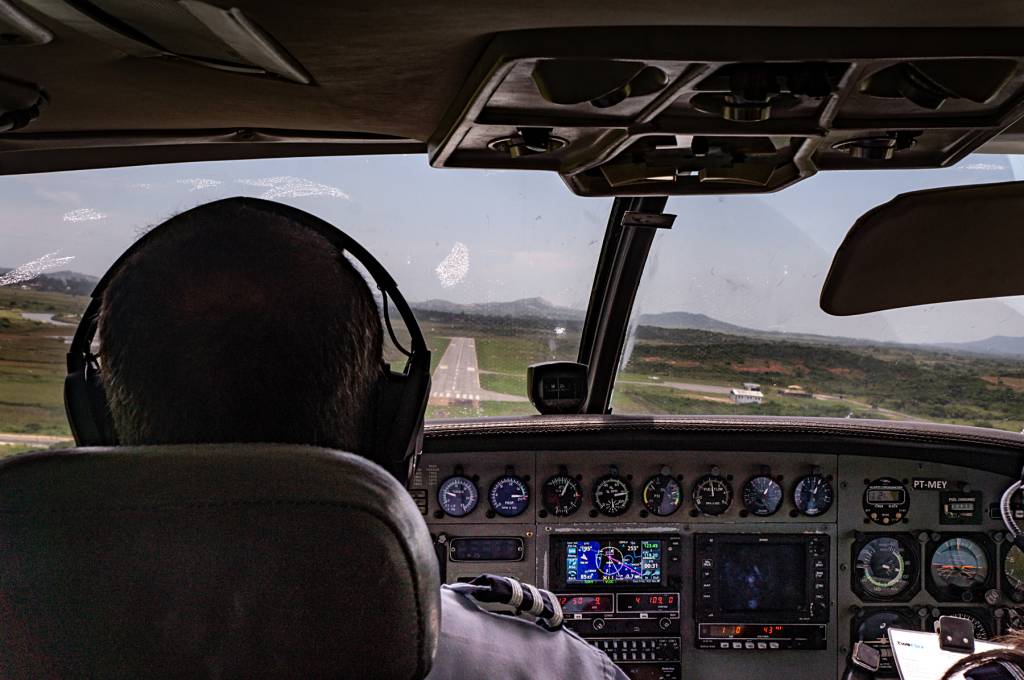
(457, 376)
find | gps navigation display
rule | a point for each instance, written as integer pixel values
(609, 561)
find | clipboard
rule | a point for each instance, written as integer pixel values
(919, 656)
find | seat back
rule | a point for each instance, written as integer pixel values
(223, 561)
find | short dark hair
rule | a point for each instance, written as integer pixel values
(236, 325)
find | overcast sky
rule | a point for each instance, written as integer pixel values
(479, 236)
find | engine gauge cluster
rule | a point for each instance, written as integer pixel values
(647, 492)
(562, 495)
(813, 495)
(762, 495)
(662, 495)
(459, 495)
(612, 495)
(509, 496)
(712, 494)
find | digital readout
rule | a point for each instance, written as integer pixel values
(648, 602)
(486, 549)
(885, 496)
(585, 604)
(765, 632)
(609, 561)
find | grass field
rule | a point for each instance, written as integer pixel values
(32, 362)
(858, 381)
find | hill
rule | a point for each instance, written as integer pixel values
(997, 345)
(65, 281)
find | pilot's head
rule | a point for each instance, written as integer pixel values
(237, 325)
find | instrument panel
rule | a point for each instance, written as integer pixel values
(694, 563)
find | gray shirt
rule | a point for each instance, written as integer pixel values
(476, 643)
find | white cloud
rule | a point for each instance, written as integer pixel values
(454, 266)
(57, 196)
(83, 215)
(31, 270)
(293, 187)
(990, 167)
(199, 183)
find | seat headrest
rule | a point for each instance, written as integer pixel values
(226, 561)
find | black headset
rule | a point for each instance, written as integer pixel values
(401, 397)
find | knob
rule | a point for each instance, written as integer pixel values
(598, 624)
(664, 623)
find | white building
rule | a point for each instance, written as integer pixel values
(746, 396)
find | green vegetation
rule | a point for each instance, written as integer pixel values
(845, 379)
(486, 408)
(862, 380)
(506, 383)
(32, 362)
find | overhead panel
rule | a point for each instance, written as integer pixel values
(656, 111)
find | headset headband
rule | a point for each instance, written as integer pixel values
(402, 397)
(80, 349)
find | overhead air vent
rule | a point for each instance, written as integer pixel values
(746, 161)
(20, 30)
(527, 141)
(190, 30)
(879, 147)
(930, 83)
(603, 83)
(750, 93)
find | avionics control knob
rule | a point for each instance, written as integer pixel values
(598, 624)
(664, 623)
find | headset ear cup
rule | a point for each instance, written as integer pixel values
(400, 410)
(85, 402)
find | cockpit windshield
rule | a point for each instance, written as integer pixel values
(727, 320)
(499, 267)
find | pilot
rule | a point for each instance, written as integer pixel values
(236, 325)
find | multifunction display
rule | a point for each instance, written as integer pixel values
(763, 578)
(761, 591)
(611, 561)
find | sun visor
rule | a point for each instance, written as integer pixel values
(924, 247)
(189, 30)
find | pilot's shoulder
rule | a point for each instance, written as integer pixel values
(476, 643)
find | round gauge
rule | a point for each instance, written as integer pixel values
(509, 496)
(762, 496)
(813, 495)
(886, 501)
(884, 567)
(959, 562)
(662, 495)
(874, 630)
(1013, 568)
(457, 496)
(712, 494)
(981, 629)
(612, 495)
(561, 495)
